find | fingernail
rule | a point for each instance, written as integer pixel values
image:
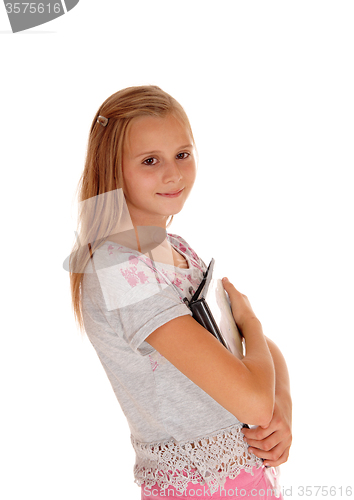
(225, 280)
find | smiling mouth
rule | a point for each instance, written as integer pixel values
(171, 195)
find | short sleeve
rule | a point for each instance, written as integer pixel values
(135, 298)
(138, 321)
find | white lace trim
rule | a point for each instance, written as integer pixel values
(207, 460)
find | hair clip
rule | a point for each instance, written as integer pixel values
(102, 120)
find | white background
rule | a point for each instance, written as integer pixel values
(268, 87)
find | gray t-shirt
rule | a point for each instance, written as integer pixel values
(124, 300)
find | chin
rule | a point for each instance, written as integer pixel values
(174, 212)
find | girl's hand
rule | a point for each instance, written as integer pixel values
(273, 442)
(240, 305)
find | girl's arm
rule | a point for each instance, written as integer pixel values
(246, 387)
(273, 443)
(282, 381)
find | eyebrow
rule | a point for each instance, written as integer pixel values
(153, 152)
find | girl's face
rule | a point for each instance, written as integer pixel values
(158, 169)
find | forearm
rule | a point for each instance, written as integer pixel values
(258, 360)
(256, 369)
(282, 380)
(272, 442)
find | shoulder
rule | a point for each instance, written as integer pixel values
(110, 254)
(124, 276)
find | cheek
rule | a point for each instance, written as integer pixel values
(191, 173)
(140, 183)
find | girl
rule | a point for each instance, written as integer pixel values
(184, 395)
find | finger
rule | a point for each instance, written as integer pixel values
(266, 444)
(281, 444)
(232, 290)
(227, 284)
(272, 455)
(281, 460)
(258, 433)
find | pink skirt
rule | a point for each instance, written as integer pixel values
(257, 486)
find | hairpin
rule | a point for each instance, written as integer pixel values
(102, 120)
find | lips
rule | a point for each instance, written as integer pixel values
(172, 194)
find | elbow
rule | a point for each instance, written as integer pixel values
(265, 410)
(260, 412)
(265, 401)
(264, 418)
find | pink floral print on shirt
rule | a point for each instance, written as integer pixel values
(135, 277)
(154, 364)
(184, 248)
(110, 249)
(132, 275)
(156, 360)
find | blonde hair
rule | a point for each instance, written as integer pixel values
(103, 172)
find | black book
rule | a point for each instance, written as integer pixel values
(210, 306)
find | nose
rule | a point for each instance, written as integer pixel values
(171, 172)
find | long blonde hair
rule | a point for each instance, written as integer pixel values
(103, 172)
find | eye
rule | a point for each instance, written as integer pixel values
(183, 157)
(150, 161)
